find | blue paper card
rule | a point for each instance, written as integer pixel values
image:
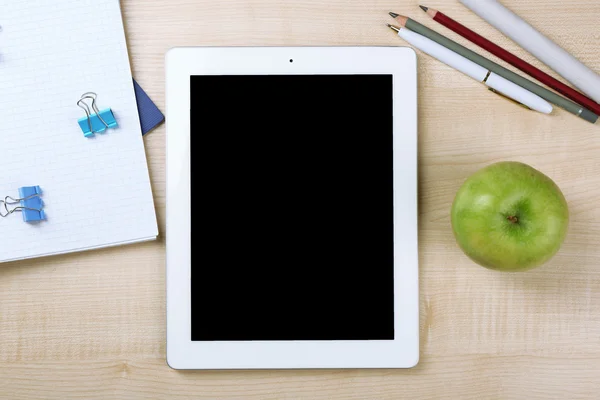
(150, 115)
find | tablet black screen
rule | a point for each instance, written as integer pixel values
(292, 207)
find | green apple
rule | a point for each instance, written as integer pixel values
(510, 217)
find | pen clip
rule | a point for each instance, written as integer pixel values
(508, 98)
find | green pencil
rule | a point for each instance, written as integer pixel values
(544, 93)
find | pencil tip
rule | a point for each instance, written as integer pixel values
(424, 8)
(394, 28)
(393, 15)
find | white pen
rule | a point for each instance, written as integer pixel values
(495, 82)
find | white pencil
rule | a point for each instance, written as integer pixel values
(475, 71)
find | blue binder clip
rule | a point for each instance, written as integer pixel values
(95, 121)
(29, 203)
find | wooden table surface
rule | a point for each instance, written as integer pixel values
(92, 325)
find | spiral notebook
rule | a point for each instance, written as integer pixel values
(96, 191)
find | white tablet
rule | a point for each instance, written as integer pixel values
(292, 208)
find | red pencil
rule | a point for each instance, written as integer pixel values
(513, 60)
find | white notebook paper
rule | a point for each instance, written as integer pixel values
(96, 191)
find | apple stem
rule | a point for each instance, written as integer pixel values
(513, 219)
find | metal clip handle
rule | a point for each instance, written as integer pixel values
(8, 200)
(88, 112)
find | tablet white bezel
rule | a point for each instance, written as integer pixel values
(181, 63)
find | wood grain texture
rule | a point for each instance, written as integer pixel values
(92, 325)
